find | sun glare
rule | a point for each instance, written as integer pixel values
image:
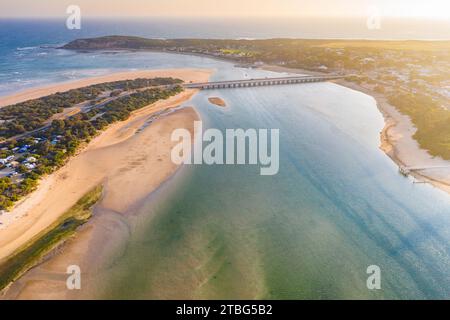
(433, 9)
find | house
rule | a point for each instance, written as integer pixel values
(30, 166)
(31, 159)
(14, 164)
(12, 174)
(6, 160)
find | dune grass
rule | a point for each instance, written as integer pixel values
(29, 255)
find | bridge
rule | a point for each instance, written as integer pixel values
(260, 82)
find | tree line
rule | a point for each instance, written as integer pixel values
(64, 137)
(32, 114)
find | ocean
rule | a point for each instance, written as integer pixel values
(28, 58)
(337, 206)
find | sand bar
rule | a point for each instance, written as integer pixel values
(129, 170)
(108, 159)
(217, 101)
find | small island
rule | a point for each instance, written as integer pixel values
(217, 101)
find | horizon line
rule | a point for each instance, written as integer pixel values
(304, 16)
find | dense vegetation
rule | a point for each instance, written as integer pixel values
(63, 138)
(32, 114)
(26, 257)
(431, 120)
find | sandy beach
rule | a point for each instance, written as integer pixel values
(130, 158)
(194, 75)
(398, 143)
(396, 138)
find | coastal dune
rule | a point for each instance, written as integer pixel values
(129, 171)
(130, 159)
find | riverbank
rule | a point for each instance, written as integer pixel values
(130, 158)
(398, 143)
(396, 138)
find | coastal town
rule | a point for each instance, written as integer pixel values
(387, 66)
(38, 136)
(384, 67)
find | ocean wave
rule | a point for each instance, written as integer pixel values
(82, 73)
(26, 48)
(17, 85)
(50, 46)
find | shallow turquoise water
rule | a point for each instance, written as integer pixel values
(337, 205)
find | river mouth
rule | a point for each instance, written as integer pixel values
(336, 207)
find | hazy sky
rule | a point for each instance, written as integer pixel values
(109, 8)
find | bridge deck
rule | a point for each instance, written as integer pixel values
(260, 82)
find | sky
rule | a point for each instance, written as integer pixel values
(434, 9)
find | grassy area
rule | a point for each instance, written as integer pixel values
(388, 45)
(29, 255)
(237, 52)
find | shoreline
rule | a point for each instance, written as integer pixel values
(41, 247)
(41, 91)
(59, 191)
(397, 142)
(396, 137)
(103, 239)
(89, 247)
(397, 128)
